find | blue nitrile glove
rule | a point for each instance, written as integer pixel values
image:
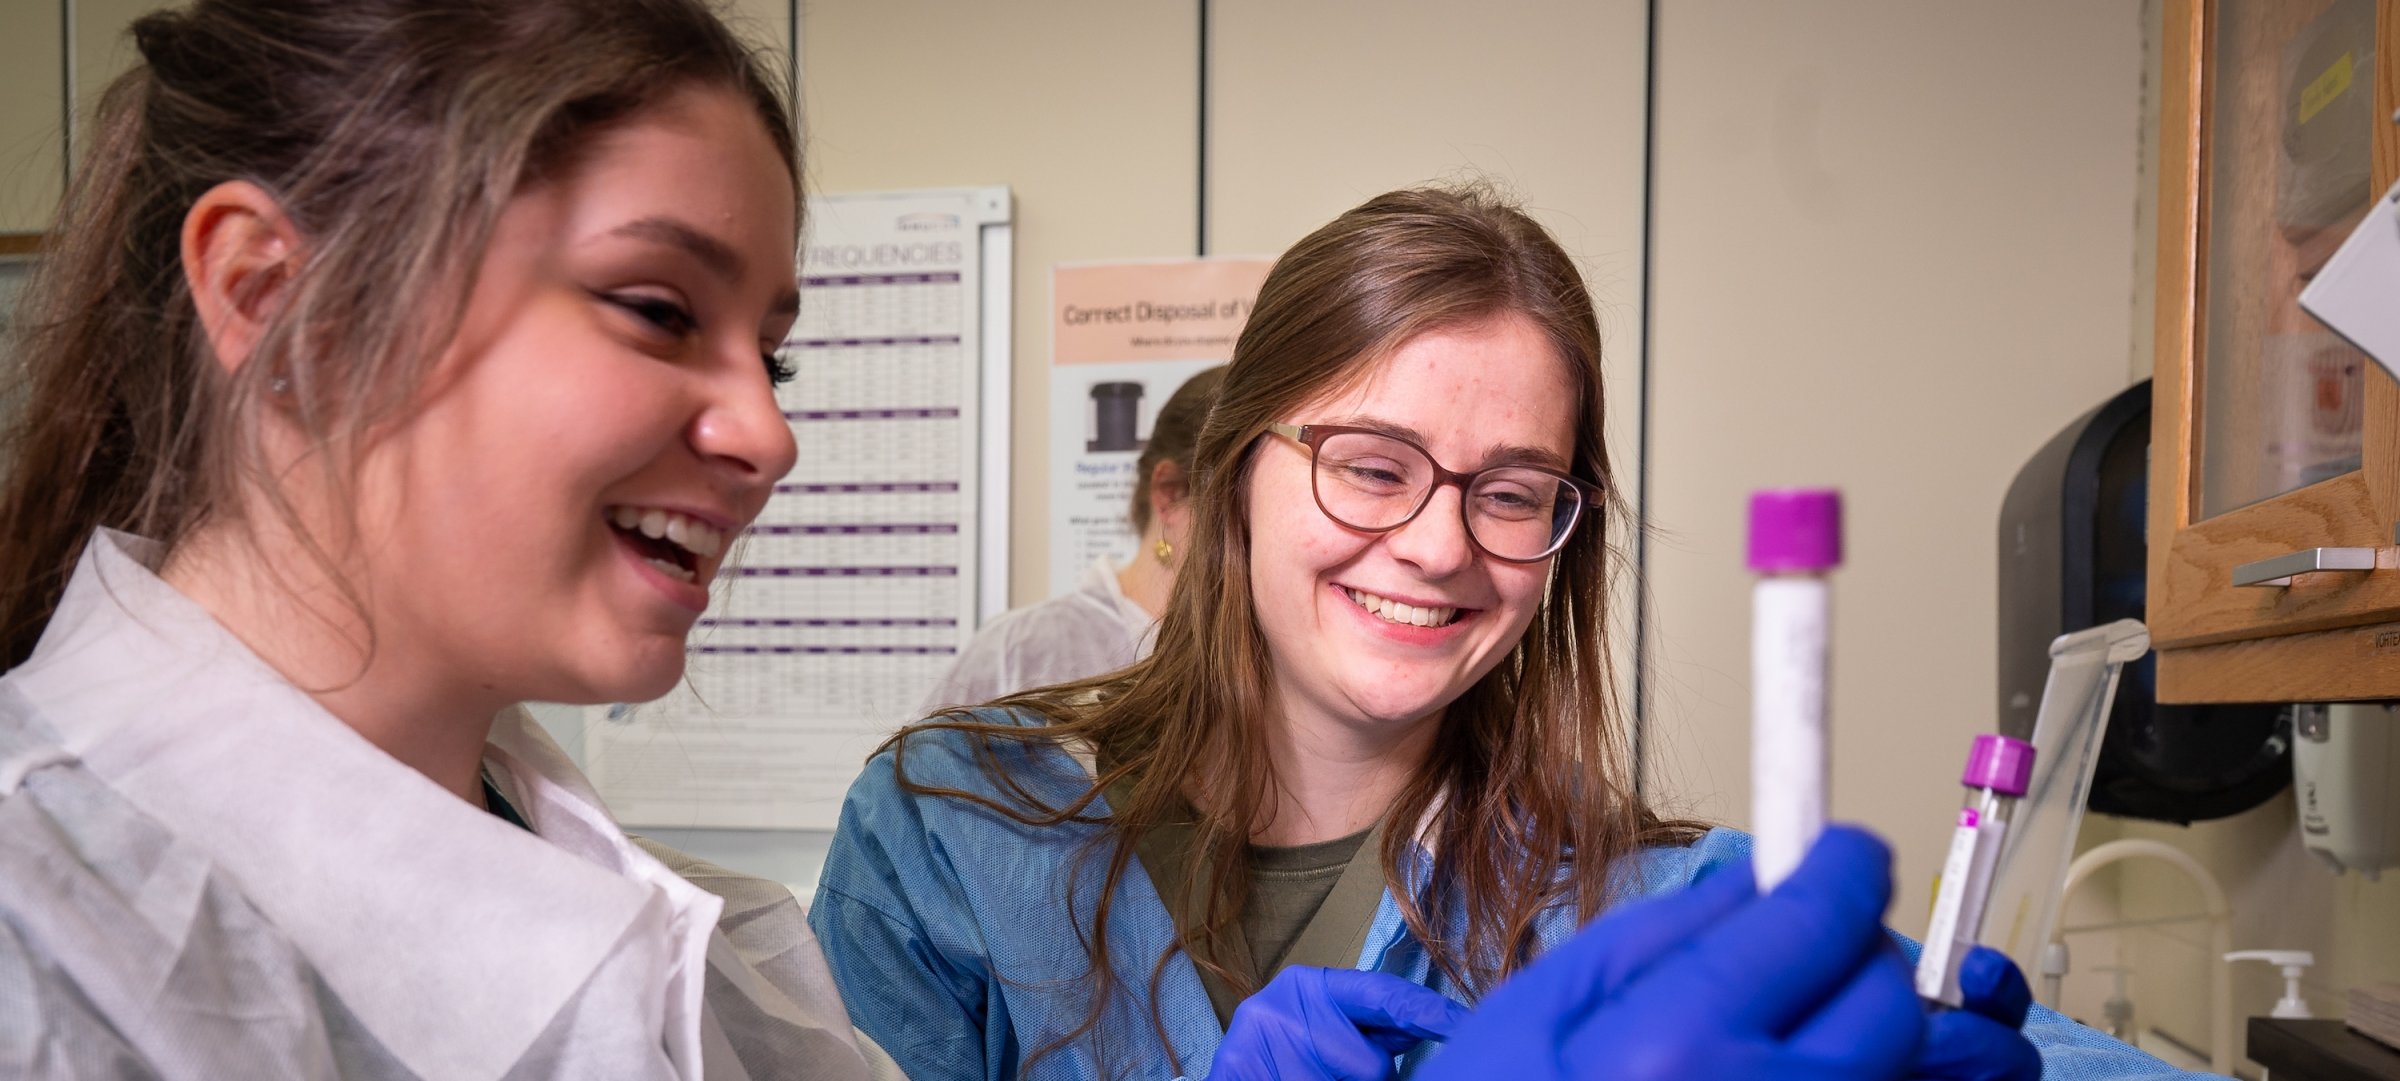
(1715, 982)
(1330, 1024)
(1981, 1042)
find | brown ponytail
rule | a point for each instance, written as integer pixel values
(73, 437)
(392, 132)
(1172, 437)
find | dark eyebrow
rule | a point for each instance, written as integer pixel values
(1496, 456)
(712, 253)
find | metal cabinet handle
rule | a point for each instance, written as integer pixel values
(2279, 570)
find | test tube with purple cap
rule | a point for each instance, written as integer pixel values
(1998, 769)
(1795, 540)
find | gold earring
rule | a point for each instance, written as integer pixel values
(1164, 551)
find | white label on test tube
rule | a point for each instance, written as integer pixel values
(1788, 630)
(1958, 906)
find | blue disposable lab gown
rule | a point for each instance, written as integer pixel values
(953, 938)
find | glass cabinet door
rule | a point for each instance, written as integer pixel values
(2289, 133)
(2275, 139)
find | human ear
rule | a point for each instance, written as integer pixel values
(239, 252)
(1170, 491)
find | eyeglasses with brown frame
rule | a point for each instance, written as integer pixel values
(1374, 481)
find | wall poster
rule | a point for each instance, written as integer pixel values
(1123, 337)
(868, 568)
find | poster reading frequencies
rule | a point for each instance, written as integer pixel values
(858, 584)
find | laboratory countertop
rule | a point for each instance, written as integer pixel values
(2319, 1051)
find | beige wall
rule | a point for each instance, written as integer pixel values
(1088, 111)
(1316, 107)
(767, 26)
(34, 40)
(1894, 255)
(1084, 108)
(34, 43)
(30, 93)
(103, 50)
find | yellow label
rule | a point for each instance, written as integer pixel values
(2326, 88)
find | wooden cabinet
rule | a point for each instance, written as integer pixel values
(2270, 435)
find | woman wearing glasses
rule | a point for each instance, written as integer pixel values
(1379, 728)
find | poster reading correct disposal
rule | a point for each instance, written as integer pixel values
(1123, 337)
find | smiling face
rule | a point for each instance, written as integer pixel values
(547, 523)
(1329, 598)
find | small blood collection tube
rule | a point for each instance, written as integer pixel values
(1998, 770)
(1795, 540)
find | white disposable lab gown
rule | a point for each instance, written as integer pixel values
(205, 875)
(1092, 630)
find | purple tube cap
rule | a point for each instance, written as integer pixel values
(1795, 529)
(1999, 763)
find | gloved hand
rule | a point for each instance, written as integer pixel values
(1981, 1042)
(1715, 982)
(1330, 1024)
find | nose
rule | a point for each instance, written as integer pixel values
(1435, 541)
(741, 429)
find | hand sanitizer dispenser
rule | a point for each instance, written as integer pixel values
(2294, 964)
(2345, 767)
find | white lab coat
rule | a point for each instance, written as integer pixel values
(205, 875)
(1089, 631)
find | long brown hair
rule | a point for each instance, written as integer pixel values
(1529, 769)
(392, 133)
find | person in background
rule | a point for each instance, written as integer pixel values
(1105, 623)
(1379, 730)
(396, 362)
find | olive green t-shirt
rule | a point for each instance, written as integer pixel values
(1290, 888)
(1288, 885)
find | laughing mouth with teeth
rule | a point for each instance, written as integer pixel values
(1391, 611)
(673, 543)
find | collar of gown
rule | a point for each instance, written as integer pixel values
(1100, 583)
(452, 935)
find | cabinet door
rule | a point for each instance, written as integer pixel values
(2269, 434)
